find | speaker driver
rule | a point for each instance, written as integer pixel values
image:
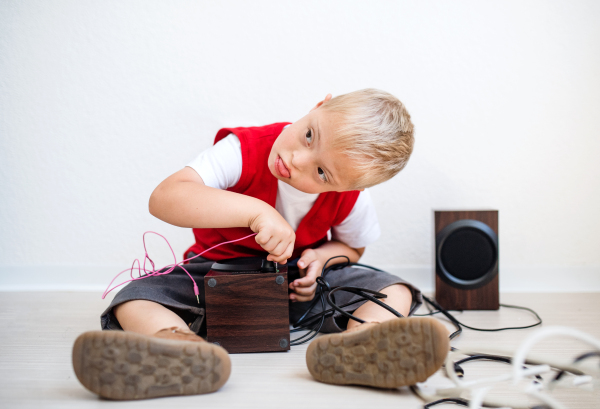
(467, 254)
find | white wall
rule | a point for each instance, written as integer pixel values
(99, 101)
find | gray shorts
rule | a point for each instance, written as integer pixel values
(175, 292)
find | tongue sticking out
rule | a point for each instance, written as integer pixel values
(283, 171)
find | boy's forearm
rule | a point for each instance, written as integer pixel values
(190, 204)
(337, 248)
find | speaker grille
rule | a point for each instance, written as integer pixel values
(468, 254)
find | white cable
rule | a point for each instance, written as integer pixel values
(477, 397)
(477, 389)
(553, 403)
(582, 380)
(519, 358)
(532, 371)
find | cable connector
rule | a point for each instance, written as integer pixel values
(197, 292)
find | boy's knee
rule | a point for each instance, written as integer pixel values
(399, 295)
(127, 306)
(146, 317)
(401, 290)
(131, 310)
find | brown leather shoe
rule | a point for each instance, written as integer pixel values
(127, 365)
(179, 334)
(394, 353)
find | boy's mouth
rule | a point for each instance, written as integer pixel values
(281, 168)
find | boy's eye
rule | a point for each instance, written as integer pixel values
(309, 136)
(322, 174)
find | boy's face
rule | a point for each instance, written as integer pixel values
(303, 155)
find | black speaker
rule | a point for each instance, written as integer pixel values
(466, 260)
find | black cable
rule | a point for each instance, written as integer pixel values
(363, 293)
(312, 332)
(509, 328)
(374, 296)
(458, 324)
(303, 323)
(328, 312)
(447, 315)
(322, 315)
(429, 314)
(460, 402)
(323, 286)
(485, 357)
(577, 359)
(319, 296)
(460, 372)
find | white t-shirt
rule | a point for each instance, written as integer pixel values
(220, 166)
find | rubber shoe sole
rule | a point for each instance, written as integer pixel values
(395, 353)
(126, 365)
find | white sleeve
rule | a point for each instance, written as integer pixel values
(220, 166)
(361, 227)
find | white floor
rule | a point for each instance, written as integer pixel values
(38, 330)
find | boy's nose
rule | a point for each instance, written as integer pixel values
(300, 160)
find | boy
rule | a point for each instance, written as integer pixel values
(290, 184)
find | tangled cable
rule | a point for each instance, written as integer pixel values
(166, 269)
(314, 323)
(474, 393)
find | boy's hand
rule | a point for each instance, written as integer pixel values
(310, 268)
(275, 235)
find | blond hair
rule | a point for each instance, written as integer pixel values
(375, 131)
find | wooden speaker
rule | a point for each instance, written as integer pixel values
(466, 260)
(247, 306)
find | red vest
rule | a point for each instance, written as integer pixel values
(330, 208)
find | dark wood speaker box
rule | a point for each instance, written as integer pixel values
(248, 311)
(449, 296)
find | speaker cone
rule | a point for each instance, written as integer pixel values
(467, 254)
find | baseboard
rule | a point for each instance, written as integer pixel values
(518, 279)
(59, 278)
(97, 278)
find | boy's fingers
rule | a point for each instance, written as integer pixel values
(304, 282)
(306, 291)
(301, 298)
(289, 250)
(261, 238)
(267, 243)
(280, 259)
(279, 250)
(310, 277)
(308, 256)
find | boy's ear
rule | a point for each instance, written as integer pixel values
(327, 98)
